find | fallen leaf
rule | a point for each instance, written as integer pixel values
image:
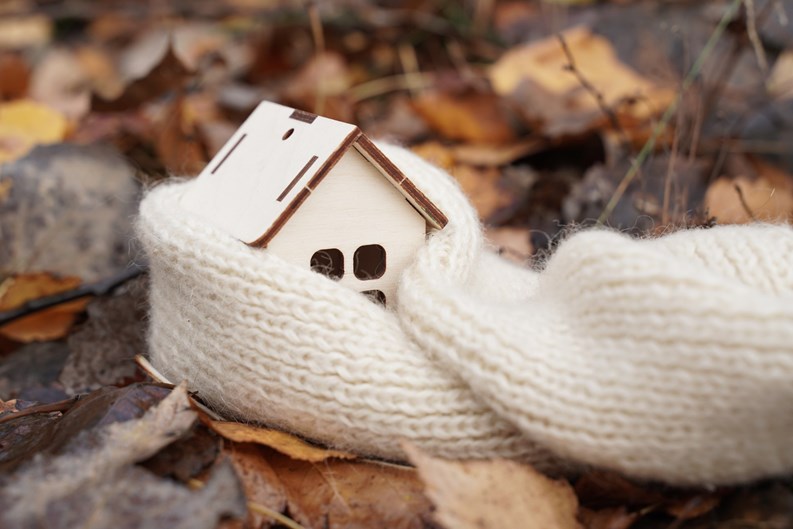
(535, 77)
(14, 76)
(32, 366)
(178, 143)
(495, 155)
(484, 187)
(25, 31)
(59, 82)
(351, 494)
(613, 518)
(281, 441)
(167, 74)
(766, 195)
(321, 86)
(25, 124)
(49, 324)
(100, 408)
(474, 117)
(93, 481)
(494, 494)
(511, 243)
(259, 480)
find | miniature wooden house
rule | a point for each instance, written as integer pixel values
(319, 194)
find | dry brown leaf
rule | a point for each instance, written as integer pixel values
(767, 197)
(321, 86)
(436, 153)
(281, 441)
(259, 480)
(60, 83)
(535, 77)
(512, 243)
(483, 187)
(496, 155)
(612, 518)
(481, 184)
(351, 494)
(178, 142)
(49, 324)
(168, 73)
(25, 124)
(472, 117)
(14, 76)
(494, 494)
(25, 32)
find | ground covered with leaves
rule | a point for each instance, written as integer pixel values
(647, 117)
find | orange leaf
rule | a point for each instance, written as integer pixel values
(281, 441)
(49, 324)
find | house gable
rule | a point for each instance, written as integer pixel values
(354, 208)
(271, 165)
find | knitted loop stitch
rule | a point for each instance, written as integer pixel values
(667, 359)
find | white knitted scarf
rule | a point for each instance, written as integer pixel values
(667, 358)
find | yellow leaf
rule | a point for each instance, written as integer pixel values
(536, 76)
(283, 442)
(494, 494)
(25, 124)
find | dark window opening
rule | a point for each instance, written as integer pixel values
(375, 295)
(329, 262)
(369, 262)
(287, 134)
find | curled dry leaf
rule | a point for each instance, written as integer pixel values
(494, 494)
(167, 74)
(768, 196)
(14, 76)
(536, 78)
(49, 324)
(483, 185)
(94, 482)
(59, 82)
(351, 494)
(25, 124)
(471, 117)
(283, 442)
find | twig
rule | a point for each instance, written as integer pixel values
(61, 405)
(392, 83)
(92, 289)
(319, 48)
(744, 205)
(754, 38)
(590, 88)
(660, 127)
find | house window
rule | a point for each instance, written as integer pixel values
(369, 262)
(329, 262)
(375, 295)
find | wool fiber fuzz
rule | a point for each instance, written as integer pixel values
(668, 359)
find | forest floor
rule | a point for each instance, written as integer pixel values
(644, 116)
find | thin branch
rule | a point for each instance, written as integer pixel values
(99, 288)
(590, 88)
(744, 204)
(660, 127)
(61, 406)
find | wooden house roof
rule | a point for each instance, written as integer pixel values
(273, 162)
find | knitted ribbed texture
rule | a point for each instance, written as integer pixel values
(668, 359)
